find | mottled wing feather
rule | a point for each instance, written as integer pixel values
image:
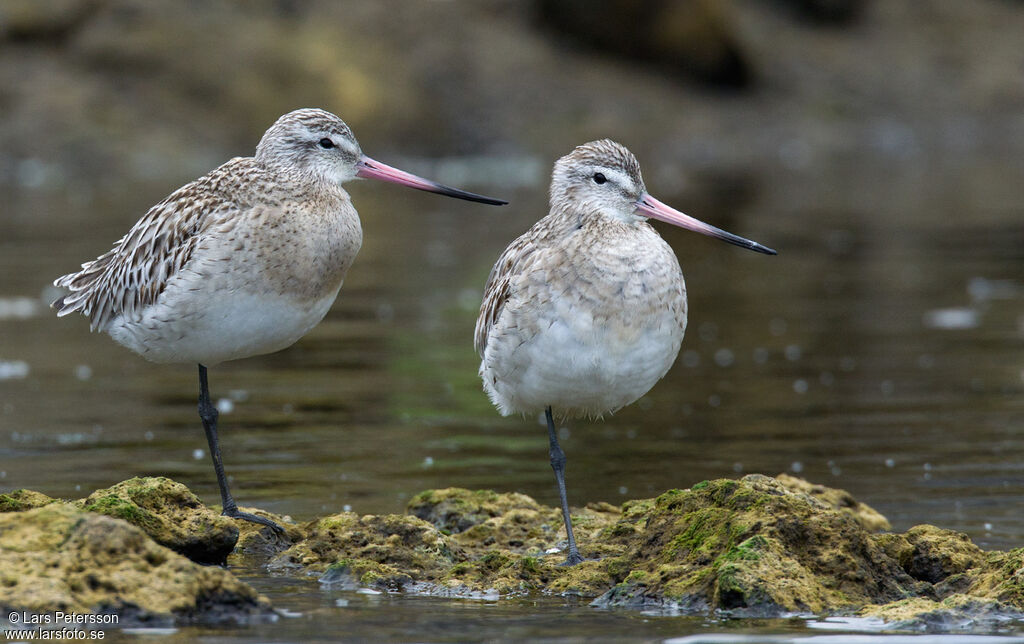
(499, 288)
(133, 274)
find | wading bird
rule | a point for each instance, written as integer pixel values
(586, 311)
(240, 262)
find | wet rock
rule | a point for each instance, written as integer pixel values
(955, 614)
(933, 555)
(482, 520)
(169, 513)
(841, 500)
(59, 557)
(388, 551)
(751, 547)
(455, 510)
(1001, 578)
(262, 541)
(21, 500)
(757, 546)
(519, 549)
(459, 543)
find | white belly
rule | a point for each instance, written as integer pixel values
(581, 360)
(580, 369)
(217, 326)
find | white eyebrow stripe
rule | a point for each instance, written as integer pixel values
(347, 145)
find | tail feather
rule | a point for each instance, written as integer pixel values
(64, 281)
(78, 298)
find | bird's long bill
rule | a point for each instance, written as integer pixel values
(370, 169)
(651, 207)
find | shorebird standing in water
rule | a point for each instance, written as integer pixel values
(585, 312)
(240, 262)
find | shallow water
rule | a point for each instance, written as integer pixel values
(880, 352)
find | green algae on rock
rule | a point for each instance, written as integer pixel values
(1000, 578)
(467, 543)
(258, 540)
(960, 587)
(757, 546)
(169, 513)
(841, 500)
(482, 520)
(388, 551)
(954, 614)
(59, 557)
(454, 510)
(750, 547)
(21, 500)
(933, 555)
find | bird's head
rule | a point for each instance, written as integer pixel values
(317, 143)
(603, 178)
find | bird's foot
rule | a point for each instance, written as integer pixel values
(235, 513)
(573, 559)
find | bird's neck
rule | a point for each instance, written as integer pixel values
(306, 180)
(579, 214)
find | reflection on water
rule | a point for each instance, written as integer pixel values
(877, 353)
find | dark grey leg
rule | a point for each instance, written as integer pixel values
(558, 465)
(208, 413)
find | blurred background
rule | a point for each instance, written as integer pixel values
(879, 146)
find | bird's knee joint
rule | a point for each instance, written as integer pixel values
(208, 412)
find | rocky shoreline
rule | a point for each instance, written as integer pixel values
(754, 547)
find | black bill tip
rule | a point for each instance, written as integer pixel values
(468, 196)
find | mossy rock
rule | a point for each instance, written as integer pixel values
(1000, 577)
(404, 544)
(757, 546)
(169, 513)
(752, 547)
(482, 521)
(355, 573)
(954, 614)
(59, 557)
(871, 519)
(258, 540)
(933, 555)
(21, 500)
(455, 510)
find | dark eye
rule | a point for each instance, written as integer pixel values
(326, 143)
(599, 178)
